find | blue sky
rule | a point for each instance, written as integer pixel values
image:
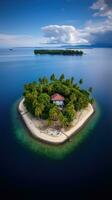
(39, 22)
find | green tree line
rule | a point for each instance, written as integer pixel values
(58, 52)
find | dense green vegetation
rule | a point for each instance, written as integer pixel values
(38, 99)
(58, 52)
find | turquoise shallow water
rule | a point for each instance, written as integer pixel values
(51, 151)
(26, 165)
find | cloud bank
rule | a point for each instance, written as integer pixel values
(101, 32)
(91, 33)
(63, 34)
(98, 31)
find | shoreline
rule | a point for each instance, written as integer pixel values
(31, 124)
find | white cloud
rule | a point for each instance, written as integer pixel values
(97, 32)
(103, 8)
(101, 30)
(99, 5)
(63, 34)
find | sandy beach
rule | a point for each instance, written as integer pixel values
(45, 134)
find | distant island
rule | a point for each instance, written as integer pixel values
(55, 109)
(58, 52)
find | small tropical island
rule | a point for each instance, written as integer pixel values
(55, 109)
(59, 52)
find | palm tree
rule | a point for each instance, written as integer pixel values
(40, 88)
(39, 109)
(44, 99)
(63, 120)
(81, 81)
(35, 94)
(49, 122)
(72, 79)
(62, 77)
(49, 88)
(68, 83)
(54, 113)
(44, 80)
(90, 89)
(40, 80)
(34, 104)
(53, 77)
(70, 112)
(73, 97)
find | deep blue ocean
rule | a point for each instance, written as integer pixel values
(89, 168)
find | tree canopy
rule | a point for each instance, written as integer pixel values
(38, 98)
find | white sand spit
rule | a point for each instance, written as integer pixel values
(47, 135)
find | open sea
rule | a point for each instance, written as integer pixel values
(88, 168)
